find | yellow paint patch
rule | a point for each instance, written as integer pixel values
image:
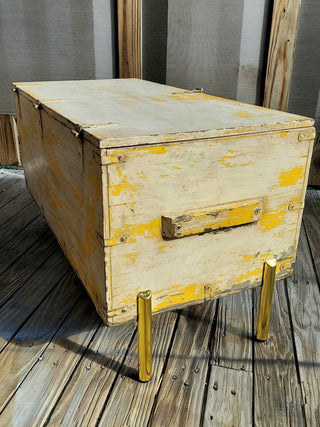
(249, 275)
(150, 230)
(157, 149)
(163, 247)
(191, 96)
(243, 114)
(158, 99)
(224, 161)
(116, 189)
(180, 295)
(283, 134)
(132, 256)
(291, 177)
(273, 219)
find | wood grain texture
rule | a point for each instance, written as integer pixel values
(139, 397)
(129, 38)
(314, 176)
(103, 191)
(311, 223)
(22, 304)
(184, 380)
(275, 375)
(65, 179)
(282, 43)
(233, 338)
(55, 365)
(34, 337)
(303, 291)
(82, 402)
(228, 389)
(9, 146)
(170, 180)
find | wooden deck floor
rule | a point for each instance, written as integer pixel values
(60, 366)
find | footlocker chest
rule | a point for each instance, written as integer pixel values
(148, 186)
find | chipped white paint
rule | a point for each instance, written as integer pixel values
(105, 204)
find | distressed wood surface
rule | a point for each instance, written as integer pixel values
(314, 176)
(157, 181)
(232, 345)
(184, 380)
(303, 290)
(284, 28)
(65, 179)
(140, 396)
(83, 399)
(311, 223)
(56, 365)
(34, 337)
(129, 38)
(123, 112)
(228, 389)
(61, 368)
(9, 146)
(275, 374)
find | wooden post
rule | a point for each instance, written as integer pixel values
(129, 35)
(9, 147)
(284, 28)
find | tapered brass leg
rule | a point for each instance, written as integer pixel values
(145, 335)
(266, 295)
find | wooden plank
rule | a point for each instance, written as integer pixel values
(9, 146)
(314, 176)
(139, 397)
(22, 304)
(304, 298)
(129, 38)
(185, 376)
(126, 112)
(14, 207)
(23, 352)
(311, 223)
(277, 393)
(69, 193)
(84, 397)
(22, 241)
(156, 181)
(284, 28)
(18, 222)
(45, 382)
(230, 379)
(229, 398)
(25, 266)
(232, 345)
(11, 188)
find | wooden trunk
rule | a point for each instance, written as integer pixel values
(152, 187)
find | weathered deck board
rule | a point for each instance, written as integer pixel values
(55, 367)
(185, 377)
(44, 311)
(304, 297)
(139, 396)
(11, 188)
(233, 345)
(311, 222)
(25, 266)
(277, 394)
(229, 399)
(22, 304)
(82, 401)
(23, 352)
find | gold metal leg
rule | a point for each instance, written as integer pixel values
(145, 335)
(266, 295)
